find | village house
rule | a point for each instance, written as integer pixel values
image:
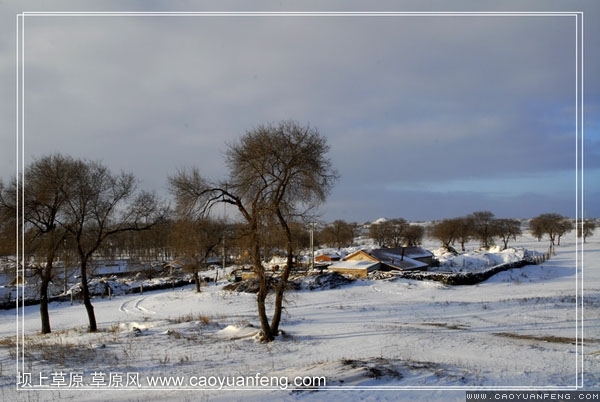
(327, 258)
(362, 262)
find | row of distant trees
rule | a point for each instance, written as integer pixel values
(193, 241)
(396, 232)
(176, 237)
(482, 226)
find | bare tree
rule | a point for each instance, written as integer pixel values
(338, 234)
(98, 205)
(43, 204)
(397, 231)
(586, 229)
(413, 235)
(147, 246)
(564, 227)
(389, 233)
(552, 224)
(196, 196)
(482, 226)
(301, 235)
(8, 219)
(464, 230)
(275, 171)
(378, 232)
(445, 231)
(450, 231)
(507, 229)
(196, 240)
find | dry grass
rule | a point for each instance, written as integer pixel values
(375, 367)
(446, 325)
(543, 338)
(10, 344)
(203, 319)
(53, 350)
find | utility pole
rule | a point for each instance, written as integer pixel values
(65, 265)
(312, 245)
(224, 235)
(224, 259)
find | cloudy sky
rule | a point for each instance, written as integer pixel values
(428, 116)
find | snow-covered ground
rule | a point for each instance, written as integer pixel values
(375, 340)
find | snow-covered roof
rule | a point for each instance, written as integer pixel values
(329, 251)
(393, 253)
(354, 264)
(393, 258)
(406, 264)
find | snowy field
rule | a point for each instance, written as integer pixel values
(373, 340)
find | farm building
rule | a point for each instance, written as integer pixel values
(327, 258)
(392, 256)
(362, 262)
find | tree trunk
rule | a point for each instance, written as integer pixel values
(86, 296)
(263, 291)
(197, 279)
(261, 297)
(45, 278)
(280, 292)
(284, 277)
(44, 314)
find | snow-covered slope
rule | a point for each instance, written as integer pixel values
(392, 339)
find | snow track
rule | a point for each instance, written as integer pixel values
(133, 307)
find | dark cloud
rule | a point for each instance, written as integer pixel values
(407, 103)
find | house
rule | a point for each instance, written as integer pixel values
(392, 256)
(327, 258)
(362, 262)
(358, 264)
(357, 268)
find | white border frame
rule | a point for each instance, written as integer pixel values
(579, 156)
